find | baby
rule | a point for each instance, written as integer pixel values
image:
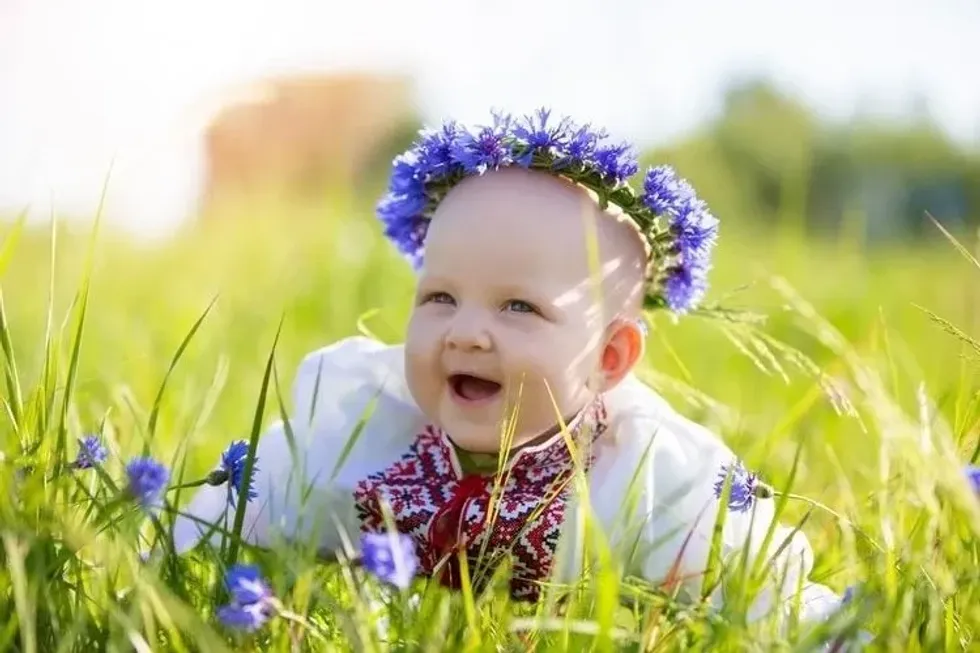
(515, 383)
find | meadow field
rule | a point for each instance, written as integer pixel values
(859, 390)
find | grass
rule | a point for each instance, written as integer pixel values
(859, 392)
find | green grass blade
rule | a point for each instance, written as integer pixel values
(157, 401)
(240, 504)
(14, 399)
(82, 297)
(713, 571)
(956, 243)
(10, 241)
(62, 436)
(16, 552)
(952, 329)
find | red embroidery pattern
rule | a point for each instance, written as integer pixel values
(445, 512)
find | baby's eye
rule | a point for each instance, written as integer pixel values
(519, 306)
(439, 298)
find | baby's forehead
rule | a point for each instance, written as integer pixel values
(523, 205)
(531, 214)
(515, 186)
(505, 254)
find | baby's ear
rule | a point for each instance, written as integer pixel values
(622, 350)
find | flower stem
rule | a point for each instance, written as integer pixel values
(830, 511)
(203, 481)
(844, 520)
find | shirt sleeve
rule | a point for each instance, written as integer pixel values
(297, 459)
(678, 491)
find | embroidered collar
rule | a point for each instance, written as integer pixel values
(517, 514)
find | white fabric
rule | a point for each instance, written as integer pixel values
(651, 484)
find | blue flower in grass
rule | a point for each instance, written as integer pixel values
(745, 486)
(244, 617)
(232, 465)
(91, 452)
(246, 585)
(252, 602)
(973, 477)
(248, 618)
(147, 480)
(390, 556)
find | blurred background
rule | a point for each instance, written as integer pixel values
(870, 105)
(245, 144)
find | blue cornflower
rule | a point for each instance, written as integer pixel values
(91, 452)
(693, 226)
(246, 585)
(252, 602)
(394, 208)
(487, 149)
(390, 556)
(743, 490)
(695, 230)
(233, 461)
(147, 481)
(535, 132)
(404, 224)
(684, 286)
(973, 477)
(435, 150)
(582, 144)
(405, 175)
(248, 618)
(665, 193)
(617, 163)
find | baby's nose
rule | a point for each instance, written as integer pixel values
(468, 331)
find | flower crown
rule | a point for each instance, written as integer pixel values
(677, 226)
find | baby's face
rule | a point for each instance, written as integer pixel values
(507, 316)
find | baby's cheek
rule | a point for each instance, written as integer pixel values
(548, 381)
(422, 340)
(420, 371)
(530, 368)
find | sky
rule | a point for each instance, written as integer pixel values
(131, 85)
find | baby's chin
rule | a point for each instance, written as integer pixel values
(475, 444)
(478, 433)
(490, 438)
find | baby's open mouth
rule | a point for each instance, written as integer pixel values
(473, 388)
